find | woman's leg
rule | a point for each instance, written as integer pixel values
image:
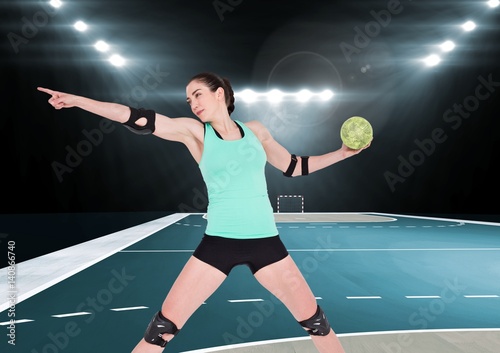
(284, 280)
(196, 282)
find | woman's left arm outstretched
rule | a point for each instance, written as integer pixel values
(279, 157)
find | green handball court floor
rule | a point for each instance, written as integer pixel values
(388, 283)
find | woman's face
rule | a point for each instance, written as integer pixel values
(203, 102)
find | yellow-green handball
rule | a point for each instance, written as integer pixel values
(356, 132)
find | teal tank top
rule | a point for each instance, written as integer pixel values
(238, 201)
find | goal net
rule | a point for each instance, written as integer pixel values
(290, 203)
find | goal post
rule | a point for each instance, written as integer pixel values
(290, 204)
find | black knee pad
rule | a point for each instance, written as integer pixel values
(318, 324)
(158, 326)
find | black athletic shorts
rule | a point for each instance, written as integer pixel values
(226, 253)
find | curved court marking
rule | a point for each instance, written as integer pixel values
(330, 217)
(461, 224)
(249, 344)
(372, 217)
(448, 339)
(494, 224)
(290, 217)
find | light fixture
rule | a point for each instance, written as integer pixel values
(80, 26)
(101, 46)
(447, 46)
(432, 60)
(117, 60)
(469, 26)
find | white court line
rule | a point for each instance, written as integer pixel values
(365, 297)
(82, 313)
(335, 250)
(481, 296)
(165, 250)
(43, 272)
(422, 296)
(15, 322)
(245, 300)
(130, 308)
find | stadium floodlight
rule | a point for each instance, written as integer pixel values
(117, 60)
(275, 96)
(80, 26)
(432, 60)
(447, 46)
(326, 95)
(468, 26)
(55, 3)
(304, 95)
(493, 3)
(101, 46)
(248, 95)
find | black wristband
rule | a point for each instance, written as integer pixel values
(291, 166)
(305, 165)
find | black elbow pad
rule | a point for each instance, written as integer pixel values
(136, 114)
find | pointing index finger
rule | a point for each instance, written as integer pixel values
(46, 90)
